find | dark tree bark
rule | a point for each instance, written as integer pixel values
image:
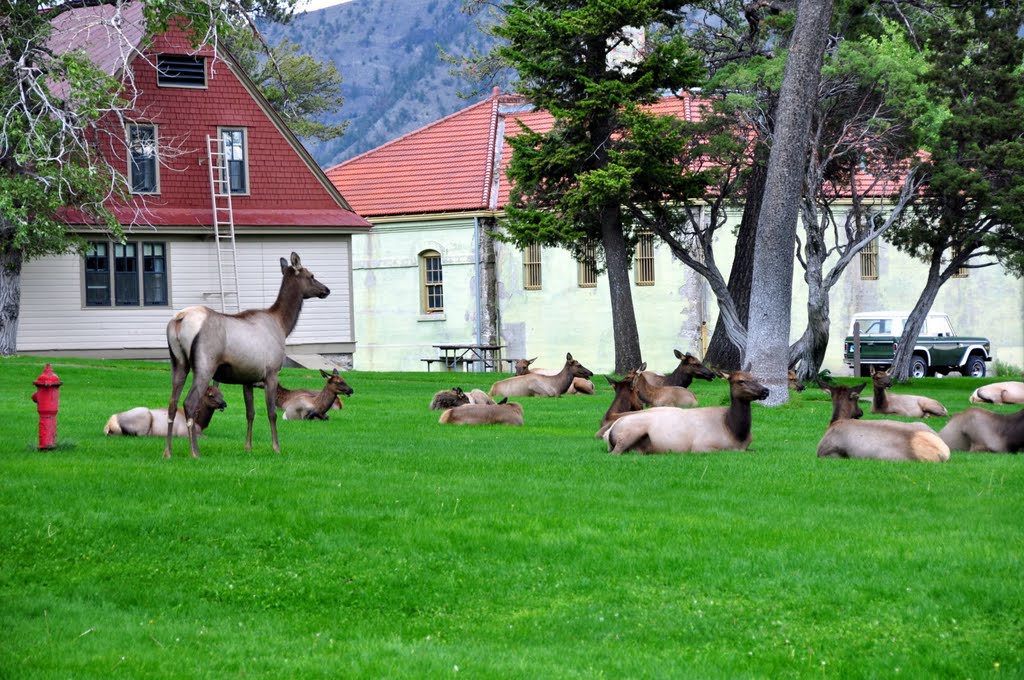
(10, 299)
(772, 295)
(624, 330)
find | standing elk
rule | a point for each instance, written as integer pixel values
(908, 405)
(668, 395)
(711, 428)
(847, 437)
(979, 430)
(537, 385)
(153, 422)
(1010, 392)
(448, 399)
(578, 386)
(313, 404)
(504, 412)
(237, 349)
(689, 367)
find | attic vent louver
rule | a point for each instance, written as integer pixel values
(179, 70)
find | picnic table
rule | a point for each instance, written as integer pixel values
(467, 357)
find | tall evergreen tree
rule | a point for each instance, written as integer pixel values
(571, 183)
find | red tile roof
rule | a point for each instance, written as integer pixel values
(449, 165)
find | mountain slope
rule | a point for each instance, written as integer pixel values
(387, 53)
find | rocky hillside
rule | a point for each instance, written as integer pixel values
(387, 53)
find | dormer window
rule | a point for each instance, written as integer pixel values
(180, 70)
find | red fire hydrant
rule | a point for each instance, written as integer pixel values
(47, 397)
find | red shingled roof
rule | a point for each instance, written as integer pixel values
(449, 165)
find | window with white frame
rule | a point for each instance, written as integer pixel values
(587, 267)
(643, 265)
(531, 267)
(143, 161)
(131, 274)
(236, 156)
(869, 261)
(431, 282)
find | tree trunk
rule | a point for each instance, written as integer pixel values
(625, 334)
(10, 299)
(772, 296)
(722, 352)
(912, 328)
(488, 284)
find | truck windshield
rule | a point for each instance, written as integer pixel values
(875, 326)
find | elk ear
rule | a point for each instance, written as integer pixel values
(325, 373)
(610, 380)
(296, 262)
(530, 361)
(857, 390)
(504, 401)
(679, 355)
(568, 357)
(284, 266)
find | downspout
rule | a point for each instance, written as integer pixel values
(479, 287)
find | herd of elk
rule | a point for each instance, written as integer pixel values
(236, 349)
(153, 422)
(538, 385)
(666, 429)
(847, 437)
(578, 386)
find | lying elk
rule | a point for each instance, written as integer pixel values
(537, 385)
(847, 437)
(668, 395)
(313, 404)
(689, 367)
(448, 399)
(480, 397)
(237, 349)
(908, 405)
(1011, 392)
(711, 428)
(794, 381)
(979, 430)
(153, 422)
(504, 412)
(578, 386)
(626, 400)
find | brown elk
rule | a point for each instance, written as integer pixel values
(689, 367)
(446, 399)
(578, 386)
(711, 428)
(626, 400)
(537, 385)
(479, 397)
(908, 405)
(237, 349)
(1010, 392)
(847, 437)
(794, 381)
(313, 404)
(668, 395)
(505, 412)
(153, 422)
(979, 430)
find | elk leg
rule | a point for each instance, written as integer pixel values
(271, 394)
(191, 407)
(250, 413)
(178, 374)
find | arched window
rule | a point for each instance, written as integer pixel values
(431, 282)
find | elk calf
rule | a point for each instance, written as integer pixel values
(313, 404)
(537, 385)
(448, 399)
(979, 430)
(847, 437)
(152, 422)
(668, 395)
(502, 413)
(909, 405)
(1011, 392)
(670, 429)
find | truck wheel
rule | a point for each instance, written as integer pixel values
(918, 367)
(975, 367)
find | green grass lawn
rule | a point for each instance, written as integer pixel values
(382, 544)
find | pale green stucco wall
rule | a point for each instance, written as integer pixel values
(392, 334)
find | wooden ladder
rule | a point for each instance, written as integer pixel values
(223, 224)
